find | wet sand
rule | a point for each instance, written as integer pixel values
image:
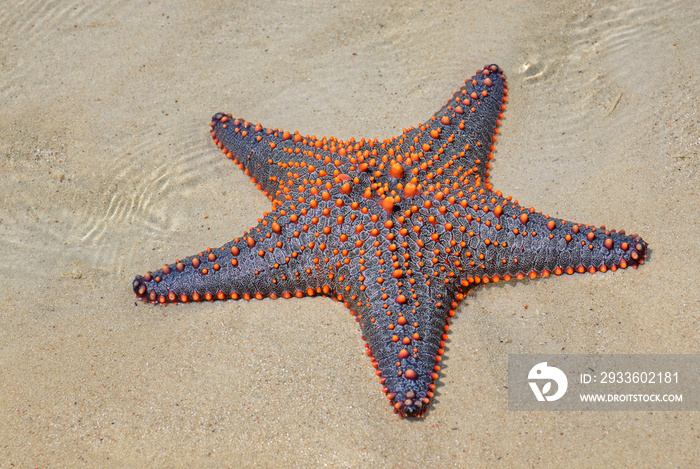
(109, 171)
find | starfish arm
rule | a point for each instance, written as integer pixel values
(278, 160)
(456, 142)
(255, 149)
(534, 244)
(490, 238)
(277, 258)
(404, 314)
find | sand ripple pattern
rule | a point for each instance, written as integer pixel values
(129, 201)
(34, 22)
(138, 201)
(31, 19)
(602, 33)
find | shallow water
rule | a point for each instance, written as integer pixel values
(109, 171)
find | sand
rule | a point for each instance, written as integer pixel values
(108, 171)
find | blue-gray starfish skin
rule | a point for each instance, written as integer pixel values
(397, 230)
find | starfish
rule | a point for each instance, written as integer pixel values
(397, 230)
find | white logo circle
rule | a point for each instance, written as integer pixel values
(550, 373)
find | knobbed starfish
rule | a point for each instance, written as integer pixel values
(398, 230)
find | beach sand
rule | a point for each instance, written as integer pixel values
(108, 171)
